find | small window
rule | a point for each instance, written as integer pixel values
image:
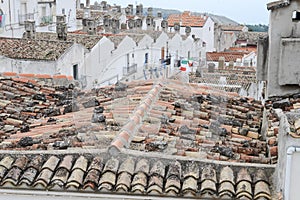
(146, 58)
(63, 11)
(296, 16)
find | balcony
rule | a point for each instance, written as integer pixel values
(23, 18)
(127, 71)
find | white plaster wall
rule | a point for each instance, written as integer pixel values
(73, 56)
(118, 59)
(70, 12)
(12, 27)
(250, 57)
(281, 26)
(27, 66)
(208, 35)
(96, 61)
(158, 23)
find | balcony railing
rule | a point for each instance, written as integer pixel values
(130, 70)
(23, 18)
(46, 20)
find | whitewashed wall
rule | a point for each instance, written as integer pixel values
(12, 27)
(97, 60)
(64, 65)
(208, 35)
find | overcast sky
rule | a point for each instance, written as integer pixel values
(242, 11)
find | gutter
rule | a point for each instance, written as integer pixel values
(290, 152)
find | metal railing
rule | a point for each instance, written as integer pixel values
(129, 70)
(46, 20)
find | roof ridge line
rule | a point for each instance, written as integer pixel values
(130, 128)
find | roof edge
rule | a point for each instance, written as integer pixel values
(278, 4)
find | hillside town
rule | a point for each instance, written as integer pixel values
(101, 101)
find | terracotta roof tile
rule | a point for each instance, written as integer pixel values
(186, 19)
(32, 49)
(229, 56)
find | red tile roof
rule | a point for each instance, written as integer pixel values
(243, 49)
(229, 56)
(186, 19)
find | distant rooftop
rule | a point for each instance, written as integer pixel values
(187, 19)
(33, 49)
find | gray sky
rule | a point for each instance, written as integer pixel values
(242, 11)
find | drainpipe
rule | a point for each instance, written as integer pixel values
(290, 152)
(12, 31)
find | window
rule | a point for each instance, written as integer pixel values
(75, 72)
(43, 11)
(23, 8)
(296, 16)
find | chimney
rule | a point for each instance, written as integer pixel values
(164, 25)
(29, 29)
(221, 63)
(139, 23)
(150, 11)
(211, 68)
(231, 64)
(91, 27)
(188, 30)
(124, 26)
(131, 23)
(61, 27)
(87, 3)
(131, 8)
(159, 14)
(149, 22)
(176, 27)
(118, 8)
(139, 10)
(115, 26)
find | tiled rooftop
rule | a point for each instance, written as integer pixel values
(132, 174)
(243, 49)
(229, 56)
(236, 78)
(151, 33)
(250, 37)
(186, 19)
(232, 28)
(88, 41)
(195, 130)
(32, 49)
